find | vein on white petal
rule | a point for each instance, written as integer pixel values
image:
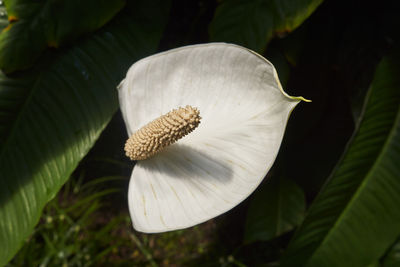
(177, 214)
(166, 211)
(178, 175)
(235, 177)
(227, 144)
(152, 201)
(217, 205)
(137, 202)
(192, 175)
(206, 160)
(238, 162)
(207, 193)
(190, 214)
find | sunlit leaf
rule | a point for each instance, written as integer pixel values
(51, 117)
(252, 23)
(36, 25)
(356, 217)
(276, 209)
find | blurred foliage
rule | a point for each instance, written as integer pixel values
(276, 208)
(35, 25)
(252, 23)
(3, 16)
(67, 234)
(80, 228)
(67, 59)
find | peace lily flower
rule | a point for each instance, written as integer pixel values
(234, 98)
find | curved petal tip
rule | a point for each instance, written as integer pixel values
(300, 98)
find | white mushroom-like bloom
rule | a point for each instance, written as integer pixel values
(243, 111)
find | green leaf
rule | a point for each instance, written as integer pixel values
(37, 25)
(252, 23)
(276, 209)
(51, 117)
(356, 216)
(392, 258)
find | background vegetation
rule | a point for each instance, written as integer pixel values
(331, 198)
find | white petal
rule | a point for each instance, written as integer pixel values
(244, 113)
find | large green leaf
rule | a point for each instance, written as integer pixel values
(50, 117)
(356, 216)
(34, 25)
(252, 23)
(276, 209)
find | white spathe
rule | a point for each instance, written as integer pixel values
(244, 113)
